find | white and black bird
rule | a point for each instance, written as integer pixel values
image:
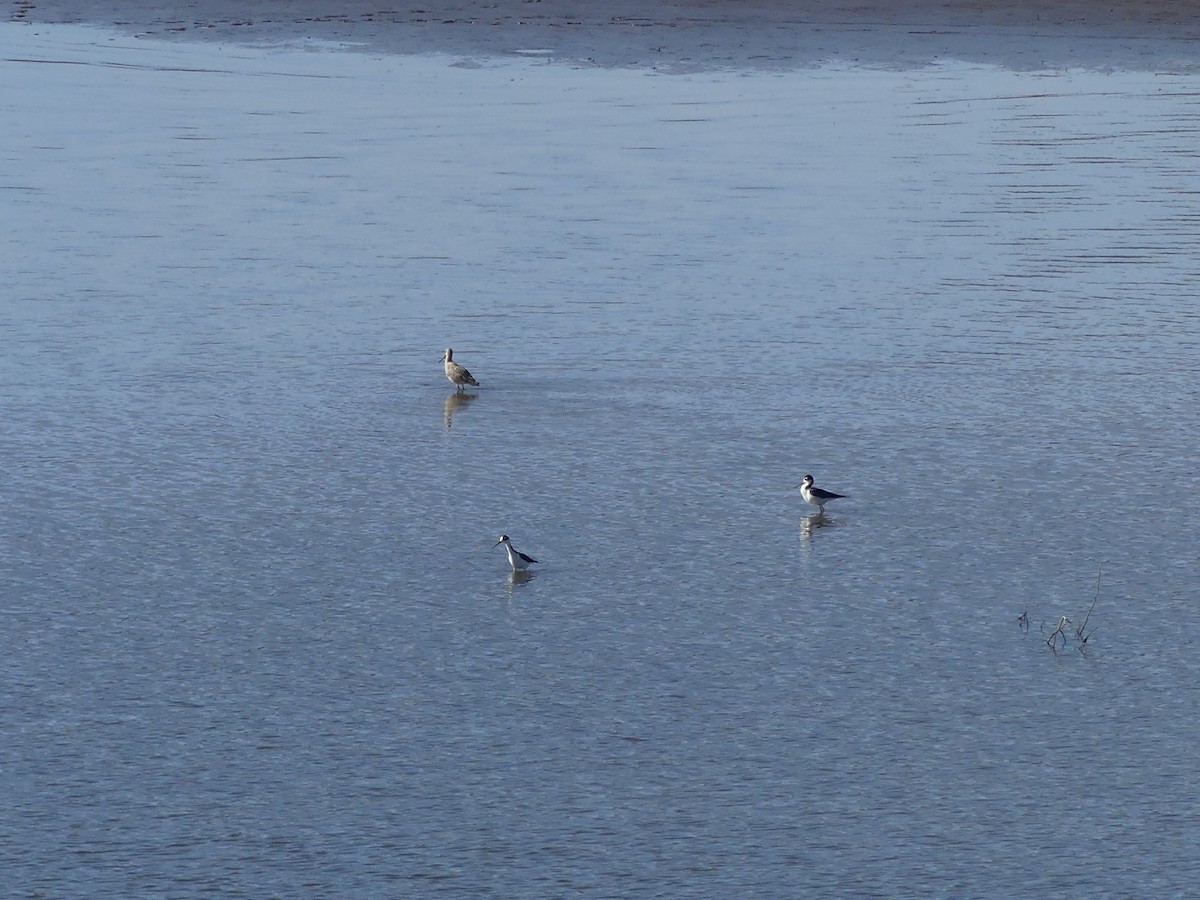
(457, 374)
(518, 560)
(818, 497)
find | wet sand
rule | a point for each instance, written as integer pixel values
(688, 36)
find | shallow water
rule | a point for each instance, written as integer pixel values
(257, 639)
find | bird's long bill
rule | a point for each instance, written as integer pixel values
(497, 544)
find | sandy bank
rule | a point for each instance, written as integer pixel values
(682, 35)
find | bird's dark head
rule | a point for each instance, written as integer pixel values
(503, 540)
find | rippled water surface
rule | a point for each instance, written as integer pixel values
(256, 637)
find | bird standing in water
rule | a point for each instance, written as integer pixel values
(518, 560)
(457, 374)
(815, 495)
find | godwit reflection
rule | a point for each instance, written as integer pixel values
(454, 402)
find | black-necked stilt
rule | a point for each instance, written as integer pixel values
(458, 375)
(518, 560)
(815, 495)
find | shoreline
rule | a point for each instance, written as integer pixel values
(687, 36)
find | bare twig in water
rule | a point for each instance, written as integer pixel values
(1054, 635)
(1079, 632)
(1065, 627)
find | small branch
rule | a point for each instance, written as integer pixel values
(1079, 631)
(1065, 627)
(1052, 641)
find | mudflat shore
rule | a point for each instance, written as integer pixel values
(686, 35)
